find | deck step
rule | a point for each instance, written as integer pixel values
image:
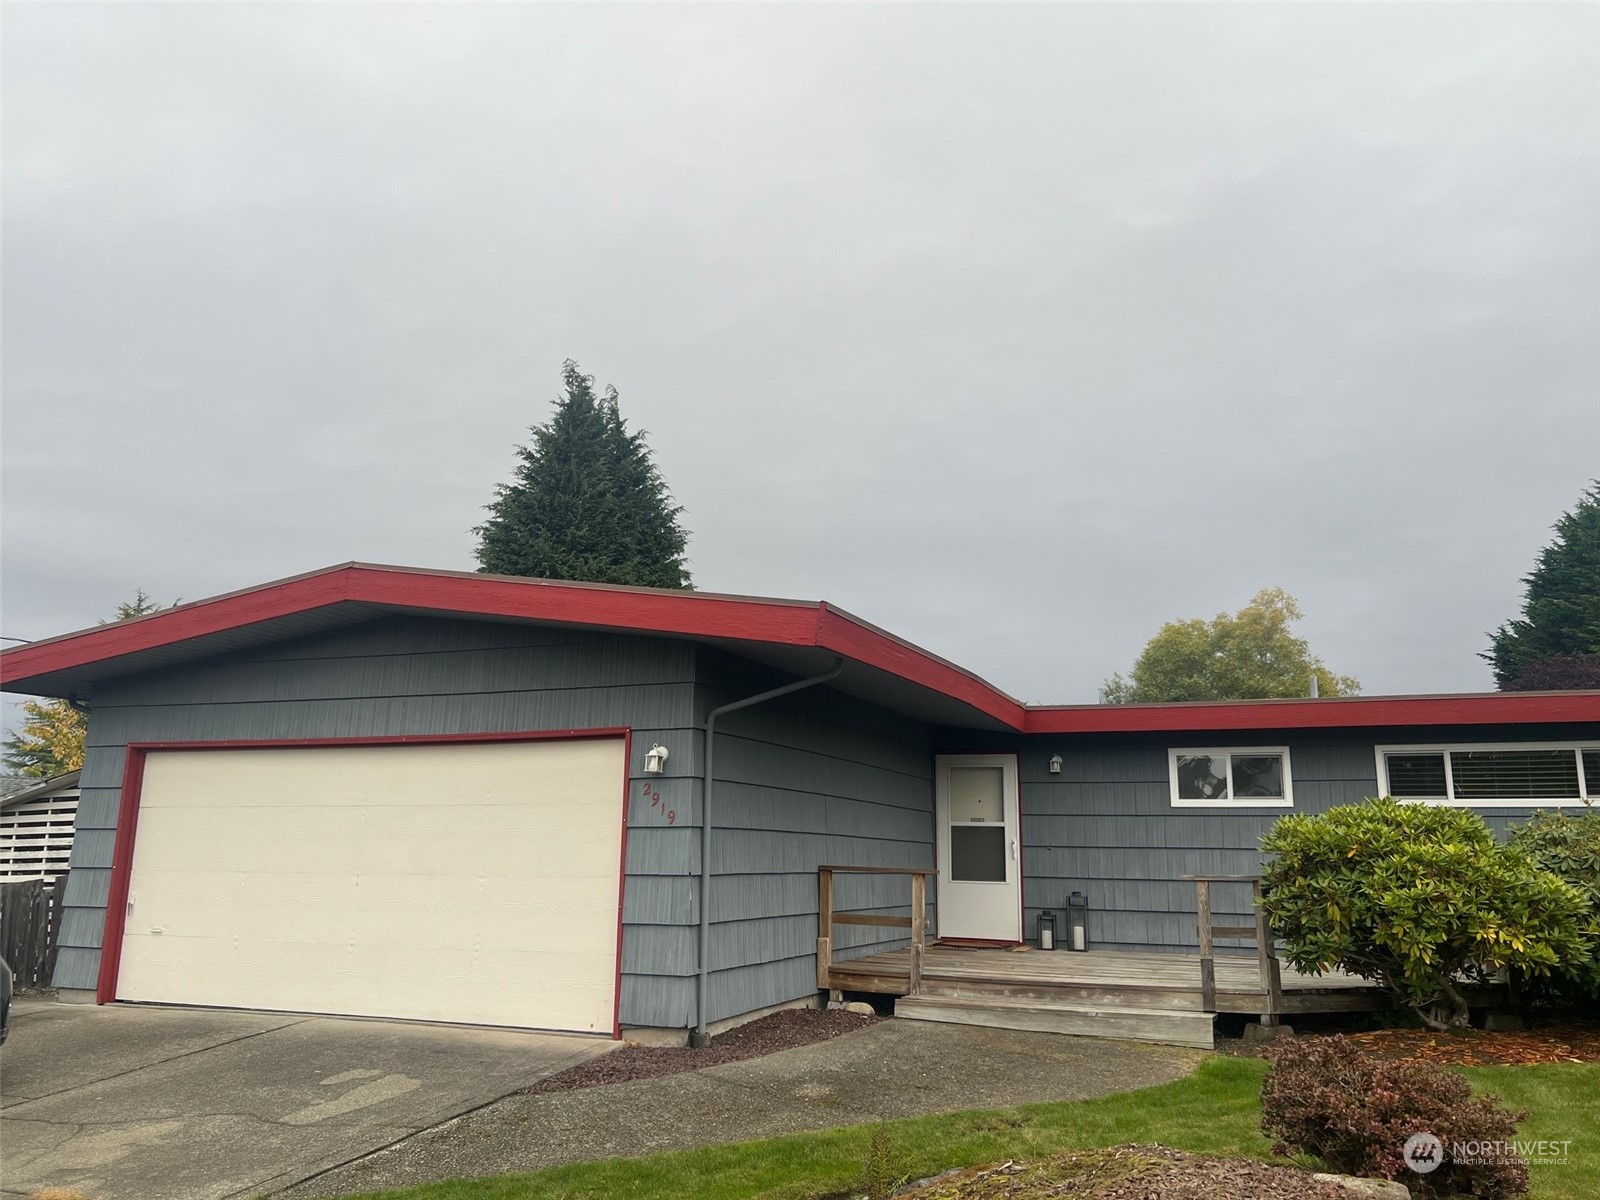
(1171, 1027)
(1094, 995)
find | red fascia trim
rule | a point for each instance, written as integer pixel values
(634, 610)
(121, 876)
(286, 598)
(688, 613)
(770, 621)
(622, 879)
(665, 612)
(1494, 708)
(133, 788)
(852, 639)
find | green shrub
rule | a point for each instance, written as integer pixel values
(1568, 846)
(1420, 898)
(1355, 1112)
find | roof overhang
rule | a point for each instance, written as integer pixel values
(43, 787)
(799, 637)
(802, 637)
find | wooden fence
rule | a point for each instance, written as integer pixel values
(30, 927)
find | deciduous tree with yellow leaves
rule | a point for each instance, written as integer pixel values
(1247, 655)
(50, 741)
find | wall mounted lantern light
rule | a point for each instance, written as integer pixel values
(655, 760)
(1055, 764)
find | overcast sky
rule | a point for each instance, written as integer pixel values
(1016, 330)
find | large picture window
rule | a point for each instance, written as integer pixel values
(1232, 777)
(1547, 774)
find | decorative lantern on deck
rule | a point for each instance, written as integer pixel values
(1077, 921)
(1047, 930)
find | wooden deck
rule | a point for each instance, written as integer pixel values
(1148, 996)
(1102, 977)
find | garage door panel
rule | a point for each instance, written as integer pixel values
(423, 911)
(231, 904)
(474, 840)
(466, 882)
(371, 776)
(524, 980)
(522, 988)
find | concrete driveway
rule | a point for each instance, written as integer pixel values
(185, 1104)
(888, 1070)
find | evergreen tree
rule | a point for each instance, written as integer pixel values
(1561, 607)
(1558, 673)
(587, 503)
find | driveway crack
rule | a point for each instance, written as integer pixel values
(12, 1109)
(571, 1060)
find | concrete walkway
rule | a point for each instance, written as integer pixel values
(186, 1104)
(892, 1069)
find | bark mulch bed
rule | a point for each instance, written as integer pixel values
(781, 1031)
(1546, 1042)
(1127, 1173)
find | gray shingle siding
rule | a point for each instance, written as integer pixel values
(802, 781)
(812, 779)
(396, 676)
(1105, 825)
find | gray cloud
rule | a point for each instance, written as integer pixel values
(1017, 330)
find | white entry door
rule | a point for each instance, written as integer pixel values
(980, 864)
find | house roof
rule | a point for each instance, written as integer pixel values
(802, 637)
(39, 787)
(10, 785)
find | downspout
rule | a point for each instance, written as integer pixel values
(700, 1037)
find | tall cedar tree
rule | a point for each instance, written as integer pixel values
(1561, 608)
(50, 741)
(587, 503)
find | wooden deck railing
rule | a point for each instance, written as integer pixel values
(1260, 932)
(827, 918)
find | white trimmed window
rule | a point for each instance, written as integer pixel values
(1232, 777)
(1513, 775)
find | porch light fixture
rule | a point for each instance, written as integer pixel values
(1055, 764)
(655, 760)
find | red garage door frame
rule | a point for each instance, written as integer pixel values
(133, 786)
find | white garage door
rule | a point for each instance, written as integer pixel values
(471, 882)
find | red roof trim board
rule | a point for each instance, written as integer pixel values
(1345, 712)
(755, 619)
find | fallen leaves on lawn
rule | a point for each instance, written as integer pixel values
(1126, 1173)
(1554, 1042)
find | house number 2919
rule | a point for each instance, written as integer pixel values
(671, 814)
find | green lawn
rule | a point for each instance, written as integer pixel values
(1563, 1101)
(1214, 1111)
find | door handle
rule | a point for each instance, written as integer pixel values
(1013, 849)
